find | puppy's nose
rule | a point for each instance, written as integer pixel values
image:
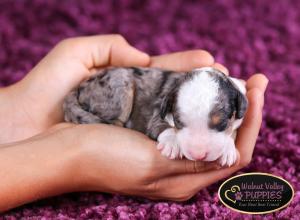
(197, 155)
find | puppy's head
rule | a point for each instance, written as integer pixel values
(206, 107)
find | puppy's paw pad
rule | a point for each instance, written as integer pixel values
(167, 151)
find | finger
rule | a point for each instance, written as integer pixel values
(189, 166)
(70, 62)
(220, 67)
(248, 132)
(104, 50)
(183, 186)
(190, 184)
(259, 81)
(183, 61)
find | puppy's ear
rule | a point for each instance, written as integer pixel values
(167, 103)
(241, 105)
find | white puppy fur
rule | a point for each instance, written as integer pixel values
(197, 141)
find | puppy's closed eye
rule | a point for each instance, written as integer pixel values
(218, 119)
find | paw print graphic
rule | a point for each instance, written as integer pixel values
(238, 196)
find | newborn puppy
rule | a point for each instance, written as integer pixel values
(192, 114)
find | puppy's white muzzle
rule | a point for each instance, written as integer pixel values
(201, 144)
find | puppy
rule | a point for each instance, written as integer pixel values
(193, 114)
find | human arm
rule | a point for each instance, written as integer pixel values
(79, 168)
(105, 158)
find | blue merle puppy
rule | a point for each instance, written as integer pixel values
(193, 114)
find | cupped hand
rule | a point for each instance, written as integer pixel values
(118, 160)
(183, 186)
(161, 178)
(123, 161)
(35, 103)
(128, 161)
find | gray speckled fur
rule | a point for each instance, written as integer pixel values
(129, 97)
(140, 98)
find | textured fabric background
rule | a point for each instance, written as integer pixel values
(246, 36)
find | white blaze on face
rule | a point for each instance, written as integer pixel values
(196, 98)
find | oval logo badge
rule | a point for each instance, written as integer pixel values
(256, 193)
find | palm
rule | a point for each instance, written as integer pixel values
(38, 99)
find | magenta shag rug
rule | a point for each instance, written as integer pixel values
(246, 36)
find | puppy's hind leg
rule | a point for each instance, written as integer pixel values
(126, 105)
(77, 113)
(108, 97)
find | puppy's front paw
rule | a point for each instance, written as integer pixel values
(168, 145)
(229, 155)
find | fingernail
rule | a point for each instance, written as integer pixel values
(266, 84)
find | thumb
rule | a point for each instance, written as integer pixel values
(71, 61)
(103, 50)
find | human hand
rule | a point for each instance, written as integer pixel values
(35, 103)
(175, 182)
(123, 161)
(188, 185)
(99, 157)
(112, 159)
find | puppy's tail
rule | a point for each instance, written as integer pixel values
(76, 113)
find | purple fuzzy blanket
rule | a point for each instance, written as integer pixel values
(246, 36)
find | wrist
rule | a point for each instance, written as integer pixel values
(65, 155)
(17, 120)
(37, 168)
(7, 112)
